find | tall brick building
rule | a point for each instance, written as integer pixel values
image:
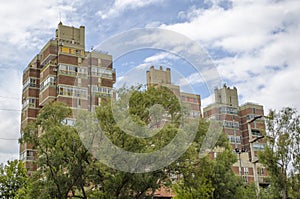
(235, 119)
(163, 77)
(63, 71)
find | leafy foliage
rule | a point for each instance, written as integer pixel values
(66, 166)
(12, 178)
(282, 152)
(63, 160)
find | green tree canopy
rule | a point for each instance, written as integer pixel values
(282, 153)
(63, 161)
(12, 178)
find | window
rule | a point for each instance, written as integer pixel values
(231, 124)
(102, 72)
(104, 90)
(82, 71)
(78, 52)
(50, 81)
(229, 110)
(64, 49)
(246, 171)
(69, 122)
(234, 139)
(256, 132)
(258, 146)
(29, 102)
(30, 82)
(27, 155)
(72, 92)
(68, 69)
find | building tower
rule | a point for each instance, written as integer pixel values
(225, 108)
(235, 124)
(159, 77)
(63, 71)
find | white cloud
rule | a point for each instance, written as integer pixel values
(246, 26)
(24, 21)
(263, 37)
(203, 76)
(159, 57)
(120, 6)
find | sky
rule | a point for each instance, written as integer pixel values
(251, 44)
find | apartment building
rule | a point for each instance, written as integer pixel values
(160, 77)
(235, 119)
(63, 71)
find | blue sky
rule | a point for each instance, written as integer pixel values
(253, 44)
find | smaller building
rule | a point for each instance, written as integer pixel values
(235, 119)
(226, 109)
(160, 77)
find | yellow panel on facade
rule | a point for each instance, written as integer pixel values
(73, 51)
(64, 49)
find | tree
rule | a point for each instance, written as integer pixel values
(143, 111)
(196, 177)
(67, 168)
(13, 177)
(282, 151)
(63, 161)
(209, 178)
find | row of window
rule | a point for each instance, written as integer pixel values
(229, 110)
(102, 72)
(72, 50)
(47, 82)
(195, 114)
(234, 139)
(27, 155)
(97, 89)
(30, 102)
(30, 82)
(71, 70)
(231, 124)
(258, 146)
(251, 116)
(189, 99)
(74, 70)
(69, 122)
(72, 92)
(260, 171)
(256, 132)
